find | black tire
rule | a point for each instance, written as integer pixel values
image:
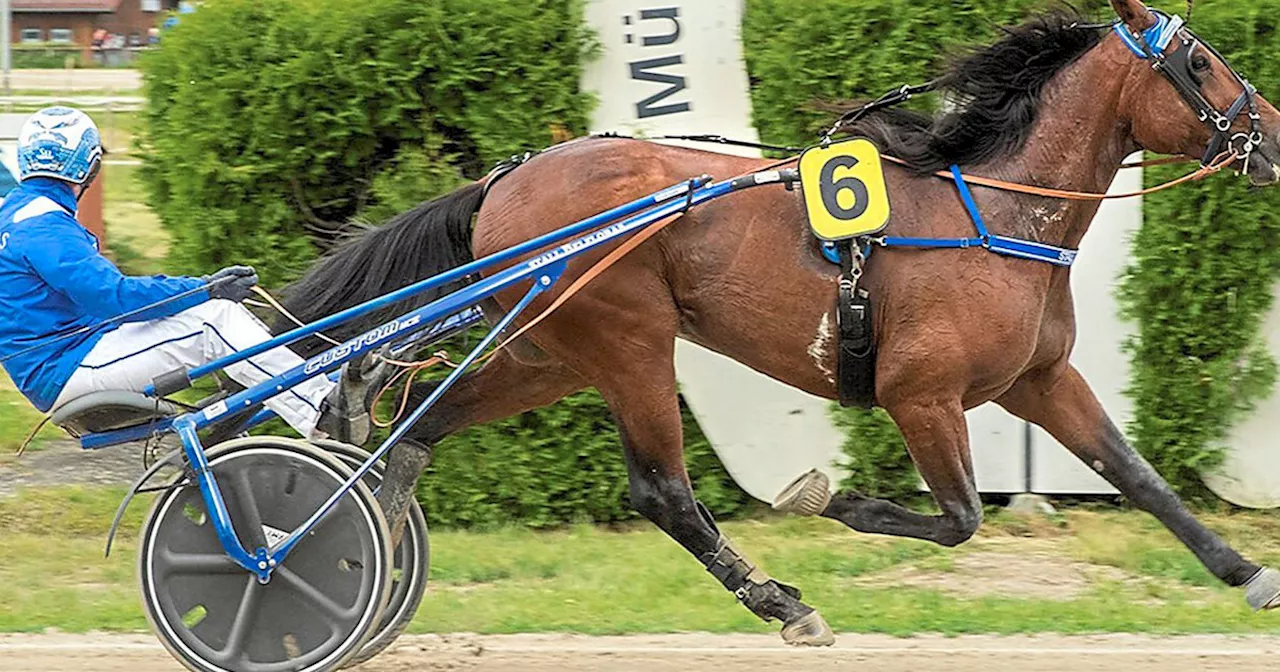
(411, 562)
(322, 604)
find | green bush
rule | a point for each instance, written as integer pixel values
(875, 455)
(269, 123)
(801, 53)
(44, 57)
(557, 465)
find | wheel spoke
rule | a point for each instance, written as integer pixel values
(336, 513)
(249, 507)
(198, 563)
(246, 613)
(310, 593)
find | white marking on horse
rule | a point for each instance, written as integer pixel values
(820, 350)
(1043, 218)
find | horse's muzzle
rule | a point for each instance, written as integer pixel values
(1263, 167)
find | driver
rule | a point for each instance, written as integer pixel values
(54, 281)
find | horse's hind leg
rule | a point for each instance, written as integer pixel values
(644, 402)
(619, 333)
(503, 387)
(1061, 402)
(937, 438)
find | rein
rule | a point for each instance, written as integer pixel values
(410, 369)
(1221, 161)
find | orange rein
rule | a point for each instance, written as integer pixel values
(1221, 161)
(411, 369)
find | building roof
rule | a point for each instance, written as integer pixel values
(66, 6)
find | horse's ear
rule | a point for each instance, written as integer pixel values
(1134, 14)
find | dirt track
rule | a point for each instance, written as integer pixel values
(731, 653)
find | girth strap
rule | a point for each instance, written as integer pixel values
(856, 359)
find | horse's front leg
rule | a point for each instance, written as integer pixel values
(1060, 401)
(937, 438)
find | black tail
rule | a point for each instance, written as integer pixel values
(430, 239)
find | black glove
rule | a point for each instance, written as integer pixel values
(238, 288)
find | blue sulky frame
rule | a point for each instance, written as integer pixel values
(440, 317)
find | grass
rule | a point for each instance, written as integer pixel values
(118, 130)
(635, 580)
(135, 238)
(17, 418)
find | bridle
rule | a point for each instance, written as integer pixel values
(1152, 45)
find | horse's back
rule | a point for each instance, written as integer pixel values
(581, 178)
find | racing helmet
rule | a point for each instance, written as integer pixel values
(62, 143)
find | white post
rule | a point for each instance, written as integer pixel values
(7, 30)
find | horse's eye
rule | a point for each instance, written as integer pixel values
(1199, 63)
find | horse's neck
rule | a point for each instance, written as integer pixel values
(1077, 144)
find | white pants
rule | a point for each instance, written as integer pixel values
(130, 357)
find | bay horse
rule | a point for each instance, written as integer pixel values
(1056, 103)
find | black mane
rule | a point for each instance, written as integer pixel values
(429, 239)
(996, 93)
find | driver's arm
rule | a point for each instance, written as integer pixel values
(66, 257)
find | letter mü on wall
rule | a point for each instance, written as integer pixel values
(675, 67)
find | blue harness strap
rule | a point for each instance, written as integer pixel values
(1154, 39)
(1005, 245)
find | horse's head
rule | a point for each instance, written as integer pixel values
(1190, 101)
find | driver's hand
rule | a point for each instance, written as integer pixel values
(234, 283)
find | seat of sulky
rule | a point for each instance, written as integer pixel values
(109, 410)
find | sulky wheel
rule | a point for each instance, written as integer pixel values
(410, 562)
(322, 603)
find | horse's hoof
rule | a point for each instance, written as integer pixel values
(1263, 590)
(808, 630)
(808, 495)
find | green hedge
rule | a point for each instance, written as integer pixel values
(803, 52)
(44, 57)
(561, 464)
(269, 122)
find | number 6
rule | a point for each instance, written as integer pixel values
(830, 189)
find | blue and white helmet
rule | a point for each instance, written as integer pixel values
(59, 142)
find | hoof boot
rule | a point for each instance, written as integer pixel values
(808, 630)
(808, 495)
(1263, 590)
